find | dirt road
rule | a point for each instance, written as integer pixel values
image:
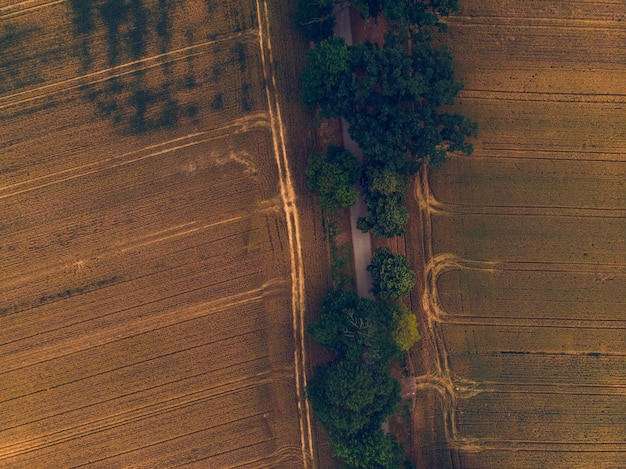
(361, 242)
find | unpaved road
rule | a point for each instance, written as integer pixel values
(361, 242)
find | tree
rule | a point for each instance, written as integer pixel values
(351, 396)
(406, 334)
(332, 175)
(386, 216)
(315, 19)
(326, 79)
(370, 450)
(385, 181)
(398, 95)
(356, 328)
(392, 277)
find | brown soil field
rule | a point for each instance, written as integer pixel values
(522, 246)
(154, 238)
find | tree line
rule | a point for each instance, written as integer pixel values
(395, 98)
(354, 393)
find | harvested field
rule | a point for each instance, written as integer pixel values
(522, 243)
(152, 302)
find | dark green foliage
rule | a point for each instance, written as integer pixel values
(315, 19)
(356, 328)
(419, 13)
(326, 81)
(341, 265)
(385, 181)
(370, 450)
(386, 216)
(394, 101)
(340, 259)
(332, 175)
(354, 394)
(368, 8)
(395, 107)
(392, 277)
(351, 396)
(427, 12)
(391, 99)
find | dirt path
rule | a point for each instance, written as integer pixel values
(361, 242)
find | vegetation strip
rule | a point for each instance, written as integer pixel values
(393, 96)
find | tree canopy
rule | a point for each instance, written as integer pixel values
(356, 328)
(392, 277)
(351, 396)
(406, 333)
(396, 99)
(354, 393)
(386, 216)
(370, 450)
(332, 175)
(315, 19)
(327, 77)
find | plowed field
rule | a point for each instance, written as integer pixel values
(151, 297)
(523, 358)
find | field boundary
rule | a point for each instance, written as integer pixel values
(288, 197)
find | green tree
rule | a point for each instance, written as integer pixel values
(370, 450)
(392, 277)
(386, 216)
(326, 79)
(395, 109)
(406, 333)
(350, 396)
(315, 19)
(332, 175)
(385, 181)
(356, 328)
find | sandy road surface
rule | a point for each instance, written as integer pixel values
(361, 242)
